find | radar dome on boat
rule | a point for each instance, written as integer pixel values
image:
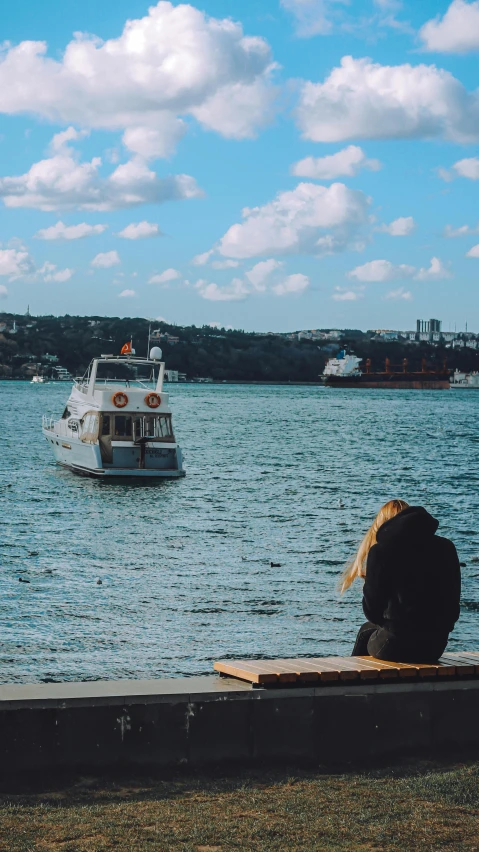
(156, 353)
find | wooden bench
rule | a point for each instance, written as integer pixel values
(324, 670)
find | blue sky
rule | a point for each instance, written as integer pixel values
(227, 162)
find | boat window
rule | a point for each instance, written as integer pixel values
(155, 426)
(105, 430)
(122, 426)
(164, 426)
(66, 414)
(89, 433)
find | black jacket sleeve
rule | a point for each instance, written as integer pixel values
(451, 585)
(376, 591)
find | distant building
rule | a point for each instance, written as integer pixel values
(52, 358)
(428, 325)
(171, 375)
(158, 336)
(386, 335)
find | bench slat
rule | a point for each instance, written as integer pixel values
(330, 669)
(464, 667)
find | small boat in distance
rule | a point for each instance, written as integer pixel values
(118, 424)
(38, 380)
(468, 381)
(345, 371)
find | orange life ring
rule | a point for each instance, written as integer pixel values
(120, 399)
(153, 400)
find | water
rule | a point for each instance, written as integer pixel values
(186, 564)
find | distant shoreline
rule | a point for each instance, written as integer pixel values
(177, 384)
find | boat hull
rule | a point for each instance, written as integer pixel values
(86, 460)
(123, 473)
(394, 383)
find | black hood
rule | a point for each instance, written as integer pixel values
(411, 527)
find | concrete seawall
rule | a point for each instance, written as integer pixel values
(201, 721)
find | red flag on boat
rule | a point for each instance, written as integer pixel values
(126, 349)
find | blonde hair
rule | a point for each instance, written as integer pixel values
(357, 568)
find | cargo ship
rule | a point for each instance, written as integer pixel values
(345, 371)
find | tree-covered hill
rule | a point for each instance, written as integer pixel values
(38, 344)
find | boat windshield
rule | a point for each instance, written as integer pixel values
(125, 373)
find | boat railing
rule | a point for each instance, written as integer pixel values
(142, 384)
(48, 422)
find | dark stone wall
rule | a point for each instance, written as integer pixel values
(327, 726)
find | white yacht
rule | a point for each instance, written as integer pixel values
(469, 381)
(117, 421)
(38, 380)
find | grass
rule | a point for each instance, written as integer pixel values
(425, 807)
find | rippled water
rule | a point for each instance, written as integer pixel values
(186, 564)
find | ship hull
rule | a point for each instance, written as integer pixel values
(388, 382)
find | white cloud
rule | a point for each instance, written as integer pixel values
(3, 291)
(127, 294)
(161, 141)
(105, 260)
(384, 270)
(296, 283)
(202, 259)
(139, 231)
(462, 231)
(60, 140)
(174, 61)
(435, 271)
(347, 162)
(473, 252)
(467, 168)
(63, 182)
(260, 279)
(69, 232)
(346, 295)
(164, 277)
(49, 272)
(456, 32)
(401, 293)
(313, 17)
(15, 264)
(400, 227)
(362, 99)
(320, 17)
(233, 292)
(258, 274)
(223, 264)
(381, 270)
(295, 222)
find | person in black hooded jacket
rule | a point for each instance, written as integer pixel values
(412, 586)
